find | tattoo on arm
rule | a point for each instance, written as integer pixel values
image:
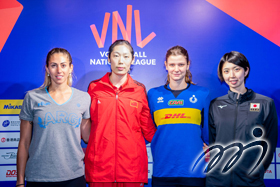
(31, 122)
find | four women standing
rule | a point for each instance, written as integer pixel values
(116, 153)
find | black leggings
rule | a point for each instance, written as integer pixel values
(78, 182)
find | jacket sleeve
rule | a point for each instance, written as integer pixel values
(271, 133)
(151, 105)
(204, 120)
(211, 126)
(147, 124)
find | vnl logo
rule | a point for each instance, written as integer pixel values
(126, 32)
(141, 56)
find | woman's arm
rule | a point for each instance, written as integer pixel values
(147, 123)
(23, 147)
(85, 129)
(271, 132)
(204, 120)
(211, 126)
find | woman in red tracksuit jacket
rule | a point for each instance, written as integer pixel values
(116, 153)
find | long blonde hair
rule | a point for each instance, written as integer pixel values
(175, 51)
(47, 81)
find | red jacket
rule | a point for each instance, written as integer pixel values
(121, 118)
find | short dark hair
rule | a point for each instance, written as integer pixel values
(121, 42)
(236, 58)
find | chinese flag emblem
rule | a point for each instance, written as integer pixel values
(134, 104)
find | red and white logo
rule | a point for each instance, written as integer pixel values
(277, 154)
(3, 140)
(255, 107)
(270, 172)
(11, 173)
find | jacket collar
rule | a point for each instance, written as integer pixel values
(242, 98)
(129, 83)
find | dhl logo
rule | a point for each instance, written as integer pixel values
(176, 102)
(176, 115)
(126, 32)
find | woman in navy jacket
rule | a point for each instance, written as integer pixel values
(241, 116)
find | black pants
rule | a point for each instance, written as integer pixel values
(78, 182)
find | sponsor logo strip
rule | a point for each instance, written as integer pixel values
(8, 173)
(176, 102)
(177, 115)
(9, 139)
(9, 123)
(10, 106)
(270, 172)
(8, 156)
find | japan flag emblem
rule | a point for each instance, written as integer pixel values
(254, 107)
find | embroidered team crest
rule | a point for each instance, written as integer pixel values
(193, 99)
(178, 102)
(254, 107)
(134, 104)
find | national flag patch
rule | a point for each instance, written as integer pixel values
(134, 104)
(255, 107)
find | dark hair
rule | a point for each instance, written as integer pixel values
(236, 58)
(47, 81)
(121, 42)
(175, 51)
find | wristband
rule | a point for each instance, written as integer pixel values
(19, 185)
